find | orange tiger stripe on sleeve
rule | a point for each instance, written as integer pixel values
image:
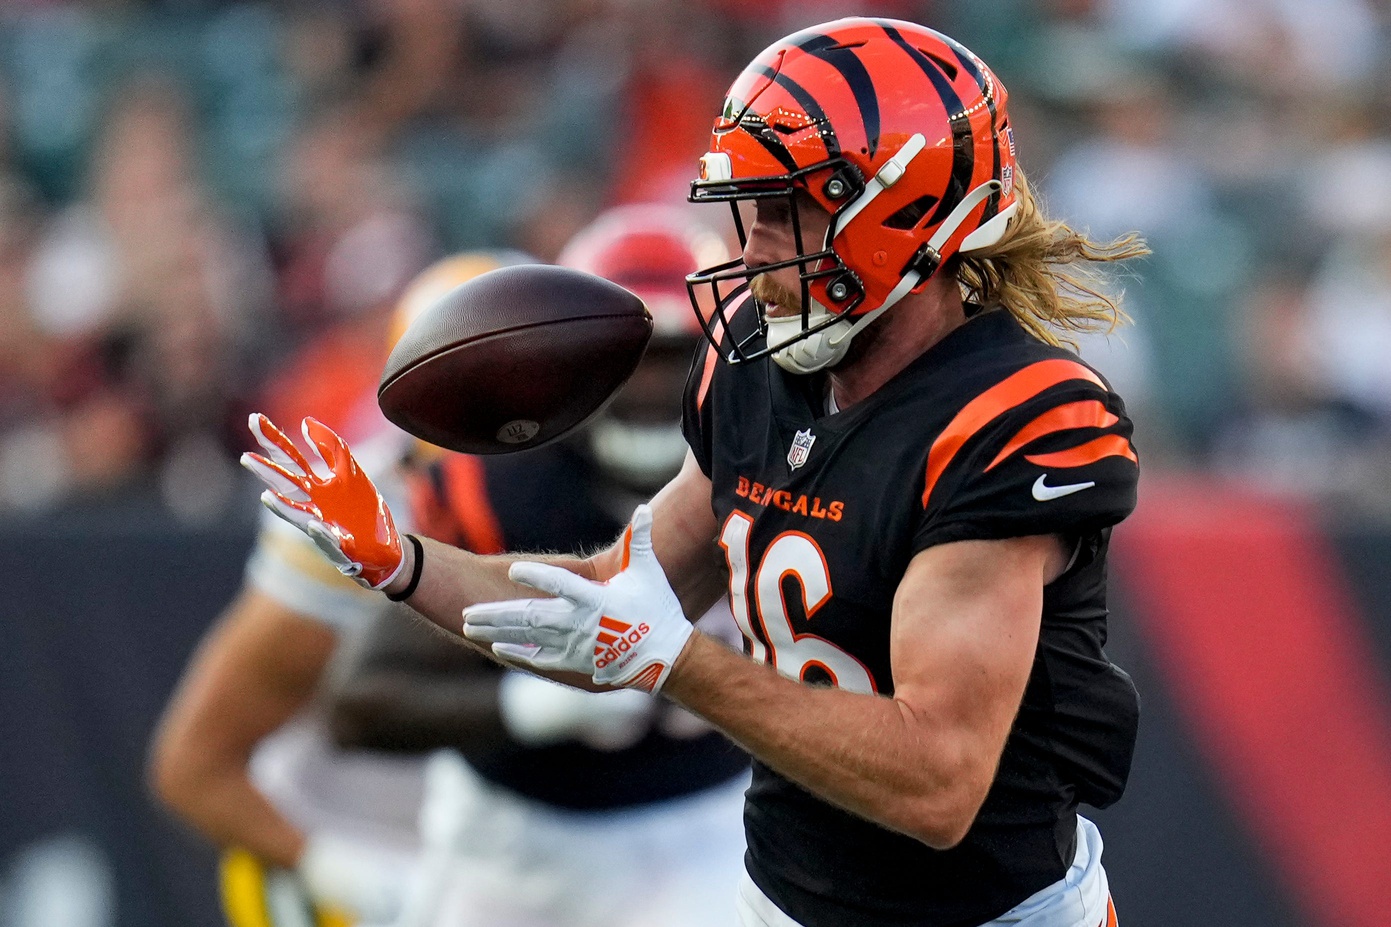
(1009, 393)
(466, 492)
(712, 357)
(1083, 454)
(1088, 413)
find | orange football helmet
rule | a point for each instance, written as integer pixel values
(897, 131)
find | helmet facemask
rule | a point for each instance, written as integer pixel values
(717, 291)
(818, 337)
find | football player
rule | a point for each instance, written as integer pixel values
(578, 797)
(656, 781)
(902, 477)
(241, 752)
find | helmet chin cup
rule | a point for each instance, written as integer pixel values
(802, 353)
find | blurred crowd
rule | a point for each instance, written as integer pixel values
(208, 208)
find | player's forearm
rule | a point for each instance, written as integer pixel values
(200, 773)
(452, 579)
(868, 754)
(258, 667)
(226, 808)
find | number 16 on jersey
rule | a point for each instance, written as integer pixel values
(798, 555)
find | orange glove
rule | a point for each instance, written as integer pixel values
(332, 500)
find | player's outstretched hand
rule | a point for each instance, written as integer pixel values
(332, 500)
(625, 632)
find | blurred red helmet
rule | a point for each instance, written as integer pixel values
(898, 132)
(650, 249)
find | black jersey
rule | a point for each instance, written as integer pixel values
(547, 501)
(990, 434)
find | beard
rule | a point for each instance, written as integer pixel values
(771, 293)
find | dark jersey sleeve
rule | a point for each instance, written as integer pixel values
(696, 411)
(1060, 463)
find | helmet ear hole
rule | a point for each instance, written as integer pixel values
(842, 288)
(909, 216)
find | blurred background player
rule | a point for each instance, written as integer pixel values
(573, 808)
(565, 780)
(242, 754)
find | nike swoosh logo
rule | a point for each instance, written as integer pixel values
(1044, 492)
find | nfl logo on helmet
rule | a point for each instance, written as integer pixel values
(801, 448)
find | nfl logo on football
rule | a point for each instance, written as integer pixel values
(801, 448)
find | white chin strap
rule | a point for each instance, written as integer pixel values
(814, 352)
(828, 346)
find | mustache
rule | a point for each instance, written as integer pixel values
(768, 291)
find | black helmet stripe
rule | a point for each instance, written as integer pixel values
(769, 140)
(813, 109)
(963, 164)
(765, 136)
(968, 63)
(856, 75)
(987, 90)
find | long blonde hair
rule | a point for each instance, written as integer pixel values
(1049, 276)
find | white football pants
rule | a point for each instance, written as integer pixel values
(524, 864)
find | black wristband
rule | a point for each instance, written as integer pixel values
(409, 591)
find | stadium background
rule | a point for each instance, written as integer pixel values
(207, 208)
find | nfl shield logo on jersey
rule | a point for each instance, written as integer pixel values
(801, 448)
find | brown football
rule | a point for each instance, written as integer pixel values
(513, 359)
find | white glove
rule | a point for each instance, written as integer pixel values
(340, 874)
(538, 712)
(625, 632)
